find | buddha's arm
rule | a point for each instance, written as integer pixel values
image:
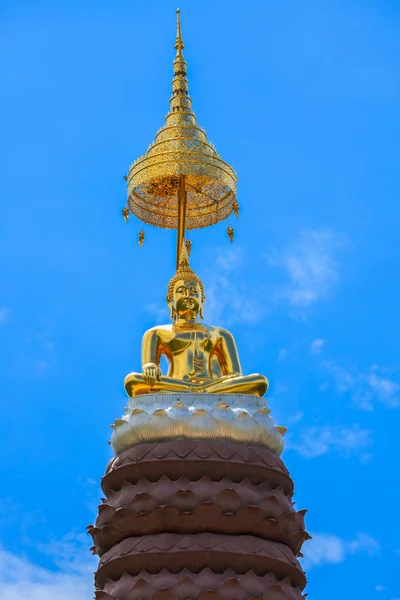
(151, 354)
(227, 354)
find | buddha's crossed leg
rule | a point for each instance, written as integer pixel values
(256, 384)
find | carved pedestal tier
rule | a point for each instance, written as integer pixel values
(198, 518)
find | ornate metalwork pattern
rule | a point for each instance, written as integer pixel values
(181, 148)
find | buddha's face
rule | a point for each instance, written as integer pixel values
(187, 298)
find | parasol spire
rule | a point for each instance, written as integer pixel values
(179, 46)
(180, 102)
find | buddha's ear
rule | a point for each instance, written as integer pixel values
(172, 311)
(201, 309)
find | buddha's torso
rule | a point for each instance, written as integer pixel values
(190, 350)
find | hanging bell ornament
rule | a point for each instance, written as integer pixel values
(198, 190)
(125, 212)
(188, 246)
(141, 238)
(236, 209)
(231, 233)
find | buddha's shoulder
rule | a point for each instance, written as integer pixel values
(220, 331)
(159, 329)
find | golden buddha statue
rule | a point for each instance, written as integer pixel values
(202, 358)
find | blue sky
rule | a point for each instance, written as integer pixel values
(301, 97)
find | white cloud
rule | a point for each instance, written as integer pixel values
(380, 588)
(91, 493)
(364, 543)
(365, 388)
(384, 389)
(159, 311)
(322, 549)
(316, 345)
(317, 441)
(283, 354)
(22, 579)
(4, 313)
(365, 458)
(311, 266)
(69, 553)
(296, 417)
(43, 365)
(330, 549)
(227, 299)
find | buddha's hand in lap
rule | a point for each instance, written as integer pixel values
(151, 374)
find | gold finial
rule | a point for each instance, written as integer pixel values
(179, 46)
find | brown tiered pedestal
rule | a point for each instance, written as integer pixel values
(186, 519)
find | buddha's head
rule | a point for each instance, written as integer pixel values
(185, 294)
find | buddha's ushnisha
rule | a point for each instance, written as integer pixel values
(201, 358)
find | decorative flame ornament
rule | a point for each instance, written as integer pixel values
(231, 233)
(188, 246)
(235, 209)
(125, 212)
(141, 237)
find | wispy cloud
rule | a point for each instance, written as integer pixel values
(296, 417)
(69, 553)
(365, 388)
(91, 492)
(316, 441)
(4, 314)
(311, 266)
(39, 349)
(42, 365)
(70, 579)
(283, 354)
(227, 297)
(317, 345)
(330, 549)
(159, 311)
(228, 300)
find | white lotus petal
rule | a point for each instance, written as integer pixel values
(158, 427)
(202, 425)
(124, 437)
(246, 430)
(225, 418)
(179, 412)
(248, 402)
(281, 429)
(242, 418)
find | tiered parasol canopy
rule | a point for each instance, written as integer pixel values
(181, 182)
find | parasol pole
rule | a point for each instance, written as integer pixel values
(182, 198)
